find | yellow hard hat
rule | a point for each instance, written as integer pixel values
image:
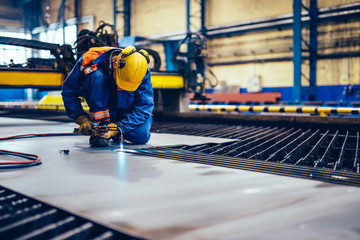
(131, 68)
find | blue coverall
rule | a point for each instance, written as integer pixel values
(131, 111)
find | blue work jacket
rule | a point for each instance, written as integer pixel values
(127, 109)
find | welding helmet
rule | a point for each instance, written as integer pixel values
(131, 68)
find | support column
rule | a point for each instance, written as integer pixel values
(187, 16)
(114, 13)
(127, 18)
(62, 10)
(203, 17)
(313, 48)
(76, 15)
(296, 91)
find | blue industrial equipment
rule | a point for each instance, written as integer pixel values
(170, 48)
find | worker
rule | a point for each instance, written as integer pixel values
(117, 87)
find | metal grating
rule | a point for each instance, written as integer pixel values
(22, 217)
(316, 148)
(321, 174)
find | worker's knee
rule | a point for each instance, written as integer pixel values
(140, 138)
(141, 134)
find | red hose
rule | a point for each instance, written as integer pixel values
(37, 159)
(37, 135)
(34, 159)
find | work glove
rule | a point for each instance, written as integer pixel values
(110, 133)
(85, 125)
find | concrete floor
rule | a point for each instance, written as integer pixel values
(166, 199)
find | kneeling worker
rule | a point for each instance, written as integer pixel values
(117, 87)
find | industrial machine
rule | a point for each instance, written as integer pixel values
(106, 35)
(52, 73)
(171, 88)
(192, 64)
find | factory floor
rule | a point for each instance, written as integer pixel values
(166, 199)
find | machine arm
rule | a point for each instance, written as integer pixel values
(65, 62)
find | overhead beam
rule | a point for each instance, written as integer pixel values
(337, 13)
(29, 43)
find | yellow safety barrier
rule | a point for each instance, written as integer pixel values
(55, 102)
(322, 111)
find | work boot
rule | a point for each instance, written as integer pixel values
(98, 142)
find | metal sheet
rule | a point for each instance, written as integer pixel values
(166, 199)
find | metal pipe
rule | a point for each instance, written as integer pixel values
(282, 47)
(282, 59)
(337, 36)
(340, 12)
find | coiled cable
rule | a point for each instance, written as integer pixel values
(31, 159)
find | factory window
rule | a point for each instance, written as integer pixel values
(18, 55)
(13, 54)
(56, 36)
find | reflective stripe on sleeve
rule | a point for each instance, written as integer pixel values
(100, 116)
